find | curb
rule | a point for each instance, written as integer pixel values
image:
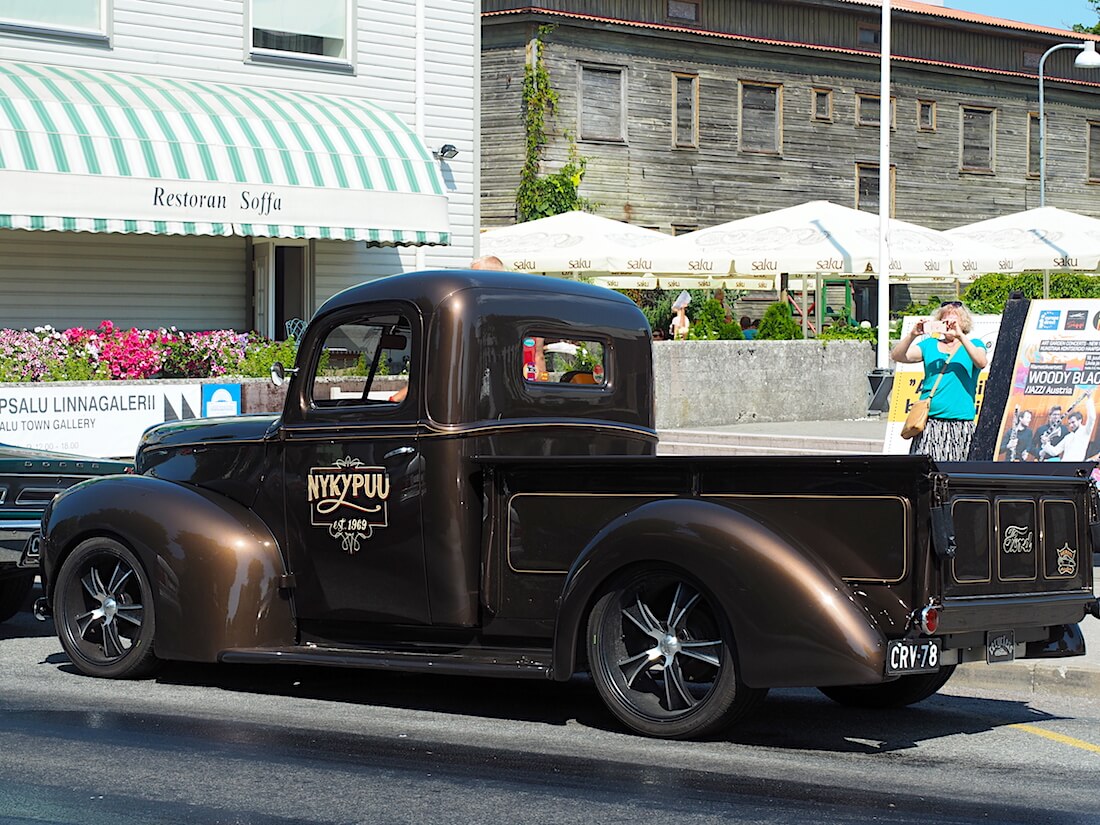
(1062, 677)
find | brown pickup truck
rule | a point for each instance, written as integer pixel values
(502, 512)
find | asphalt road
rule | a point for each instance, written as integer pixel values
(211, 744)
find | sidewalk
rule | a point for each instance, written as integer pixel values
(1076, 676)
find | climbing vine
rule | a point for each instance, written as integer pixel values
(538, 195)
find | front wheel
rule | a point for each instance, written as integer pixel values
(905, 690)
(662, 656)
(103, 611)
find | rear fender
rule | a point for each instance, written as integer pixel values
(795, 621)
(214, 565)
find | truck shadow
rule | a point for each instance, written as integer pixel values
(788, 719)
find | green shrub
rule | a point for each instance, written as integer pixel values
(262, 353)
(778, 325)
(708, 323)
(848, 332)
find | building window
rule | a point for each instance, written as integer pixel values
(761, 117)
(685, 11)
(926, 115)
(1031, 59)
(1094, 151)
(78, 19)
(977, 144)
(684, 228)
(867, 187)
(316, 32)
(823, 105)
(869, 36)
(685, 111)
(1033, 144)
(602, 104)
(868, 110)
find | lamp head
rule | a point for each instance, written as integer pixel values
(1088, 58)
(449, 150)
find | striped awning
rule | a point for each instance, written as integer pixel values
(100, 151)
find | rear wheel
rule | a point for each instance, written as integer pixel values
(13, 592)
(661, 654)
(905, 690)
(103, 610)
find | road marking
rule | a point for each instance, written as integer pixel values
(1059, 737)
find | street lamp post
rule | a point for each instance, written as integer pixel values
(1087, 59)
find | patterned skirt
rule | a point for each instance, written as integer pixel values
(944, 440)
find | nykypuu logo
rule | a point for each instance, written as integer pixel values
(349, 499)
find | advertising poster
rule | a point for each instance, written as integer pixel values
(908, 377)
(93, 420)
(1051, 410)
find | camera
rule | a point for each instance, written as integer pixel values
(935, 327)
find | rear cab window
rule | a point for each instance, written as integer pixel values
(551, 359)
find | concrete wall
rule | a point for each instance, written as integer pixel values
(709, 383)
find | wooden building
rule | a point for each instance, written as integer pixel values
(695, 112)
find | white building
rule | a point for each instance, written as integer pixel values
(229, 163)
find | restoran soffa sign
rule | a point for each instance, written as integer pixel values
(148, 199)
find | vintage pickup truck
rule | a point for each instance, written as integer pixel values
(504, 513)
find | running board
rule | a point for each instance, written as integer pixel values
(509, 663)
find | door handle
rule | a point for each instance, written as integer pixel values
(399, 451)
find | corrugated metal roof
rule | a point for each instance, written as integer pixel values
(971, 17)
(767, 41)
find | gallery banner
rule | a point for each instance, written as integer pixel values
(1051, 409)
(908, 377)
(103, 420)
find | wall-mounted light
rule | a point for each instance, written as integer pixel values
(445, 152)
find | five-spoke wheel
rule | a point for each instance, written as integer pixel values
(103, 609)
(662, 656)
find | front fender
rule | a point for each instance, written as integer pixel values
(214, 565)
(795, 621)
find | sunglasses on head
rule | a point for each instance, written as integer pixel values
(951, 304)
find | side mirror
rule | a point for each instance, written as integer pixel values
(279, 373)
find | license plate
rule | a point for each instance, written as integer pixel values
(1000, 646)
(904, 656)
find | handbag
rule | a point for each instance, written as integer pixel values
(917, 419)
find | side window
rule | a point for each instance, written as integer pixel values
(602, 104)
(76, 19)
(761, 128)
(977, 139)
(555, 360)
(363, 362)
(318, 32)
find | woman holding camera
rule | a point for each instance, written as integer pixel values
(955, 361)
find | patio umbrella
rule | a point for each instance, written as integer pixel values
(818, 237)
(575, 242)
(1043, 238)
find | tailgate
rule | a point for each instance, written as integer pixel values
(1023, 545)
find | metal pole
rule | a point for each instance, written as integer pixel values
(1043, 122)
(884, 112)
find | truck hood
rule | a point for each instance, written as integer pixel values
(208, 431)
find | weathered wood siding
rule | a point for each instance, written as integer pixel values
(649, 181)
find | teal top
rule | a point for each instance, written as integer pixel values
(954, 398)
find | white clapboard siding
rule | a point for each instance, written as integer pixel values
(205, 40)
(191, 282)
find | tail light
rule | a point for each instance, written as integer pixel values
(929, 620)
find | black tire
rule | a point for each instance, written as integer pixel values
(103, 611)
(13, 593)
(661, 652)
(905, 690)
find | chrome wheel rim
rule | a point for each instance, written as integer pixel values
(665, 650)
(107, 609)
